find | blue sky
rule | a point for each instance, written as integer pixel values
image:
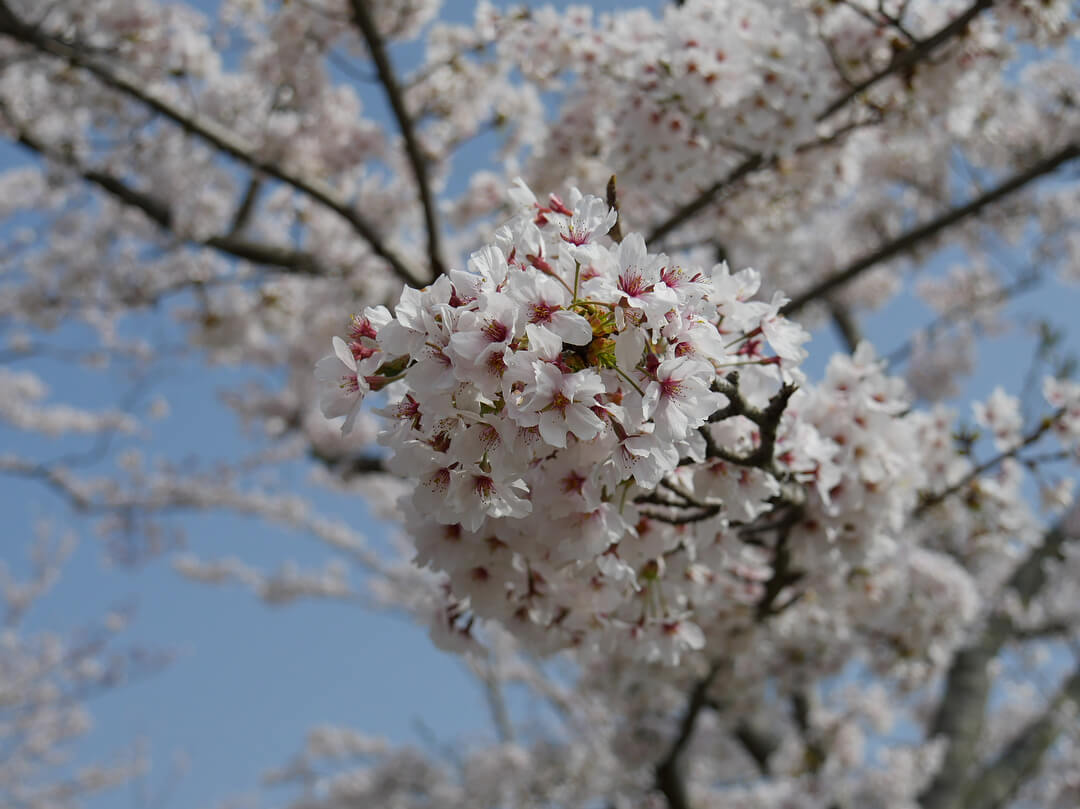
(248, 681)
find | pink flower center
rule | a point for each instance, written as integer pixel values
(541, 312)
(489, 436)
(360, 351)
(670, 387)
(573, 483)
(483, 486)
(361, 327)
(573, 237)
(496, 365)
(495, 331)
(632, 282)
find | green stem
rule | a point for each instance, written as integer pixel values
(624, 375)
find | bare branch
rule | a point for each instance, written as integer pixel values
(758, 744)
(767, 421)
(845, 324)
(351, 466)
(708, 196)
(366, 23)
(247, 206)
(215, 134)
(916, 236)
(493, 693)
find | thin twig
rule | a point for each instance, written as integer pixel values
(928, 501)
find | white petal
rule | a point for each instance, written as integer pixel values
(343, 353)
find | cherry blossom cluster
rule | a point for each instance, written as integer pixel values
(538, 394)
(586, 426)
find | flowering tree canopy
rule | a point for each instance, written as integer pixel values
(537, 289)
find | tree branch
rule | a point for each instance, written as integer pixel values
(366, 23)
(284, 258)
(351, 466)
(998, 782)
(215, 134)
(846, 325)
(928, 501)
(758, 744)
(691, 209)
(912, 56)
(922, 233)
(962, 707)
(755, 162)
(669, 778)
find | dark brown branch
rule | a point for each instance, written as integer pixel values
(845, 324)
(669, 779)
(782, 577)
(909, 58)
(366, 23)
(213, 133)
(961, 710)
(758, 744)
(767, 421)
(753, 163)
(706, 197)
(247, 206)
(928, 501)
(282, 258)
(998, 782)
(613, 202)
(916, 236)
(351, 466)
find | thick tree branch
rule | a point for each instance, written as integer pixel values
(366, 23)
(961, 710)
(669, 778)
(247, 205)
(767, 421)
(213, 133)
(352, 466)
(998, 782)
(758, 744)
(846, 325)
(916, 236)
